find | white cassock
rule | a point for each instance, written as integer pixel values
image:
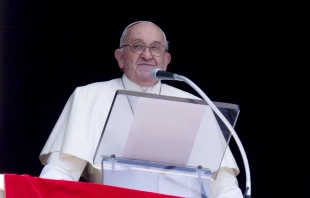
(69, 151)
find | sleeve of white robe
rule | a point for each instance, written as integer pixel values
(226, 185)
(63, 167)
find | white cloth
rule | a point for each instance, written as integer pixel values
(1, 182)
(73, 141)
(2, 186)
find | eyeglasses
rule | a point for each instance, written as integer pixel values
(138, 48)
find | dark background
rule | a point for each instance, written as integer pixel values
(254, 55)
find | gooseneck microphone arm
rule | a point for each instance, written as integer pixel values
(162, 75)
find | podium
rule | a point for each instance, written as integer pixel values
(26, 186)
(163, 144)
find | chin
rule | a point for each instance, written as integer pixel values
(146, 78)
(145, 74)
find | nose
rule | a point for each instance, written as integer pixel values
(146, 54)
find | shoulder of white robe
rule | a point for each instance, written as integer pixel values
(173, 91)
(90, 90)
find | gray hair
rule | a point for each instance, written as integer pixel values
(124, 34)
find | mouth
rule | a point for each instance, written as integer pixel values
(145, 68)
(145, 65)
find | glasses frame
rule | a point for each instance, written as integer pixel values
(129, 45)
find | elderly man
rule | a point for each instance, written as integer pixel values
(69, 150)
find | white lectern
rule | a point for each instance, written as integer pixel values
(163, 144)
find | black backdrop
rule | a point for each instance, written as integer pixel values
(248, 54)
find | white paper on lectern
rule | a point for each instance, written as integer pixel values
(162, 132)
(175, 133)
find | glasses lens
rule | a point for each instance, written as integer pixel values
(137, 47)
(156, 49)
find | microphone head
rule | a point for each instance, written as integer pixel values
(154, 72)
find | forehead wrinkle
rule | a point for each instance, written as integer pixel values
(132, 39)
(140, 40)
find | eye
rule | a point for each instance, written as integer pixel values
(137, 46)
(156, 47)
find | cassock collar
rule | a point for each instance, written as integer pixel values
(129, 85)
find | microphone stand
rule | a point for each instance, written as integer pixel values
(247, 193)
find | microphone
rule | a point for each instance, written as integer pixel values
(158, 74)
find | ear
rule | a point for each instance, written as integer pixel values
(167, 59)
(119, 57)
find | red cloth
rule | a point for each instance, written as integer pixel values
(25, 186)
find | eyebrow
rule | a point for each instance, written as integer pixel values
(154, 42)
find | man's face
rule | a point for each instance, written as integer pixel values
(139, 66)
